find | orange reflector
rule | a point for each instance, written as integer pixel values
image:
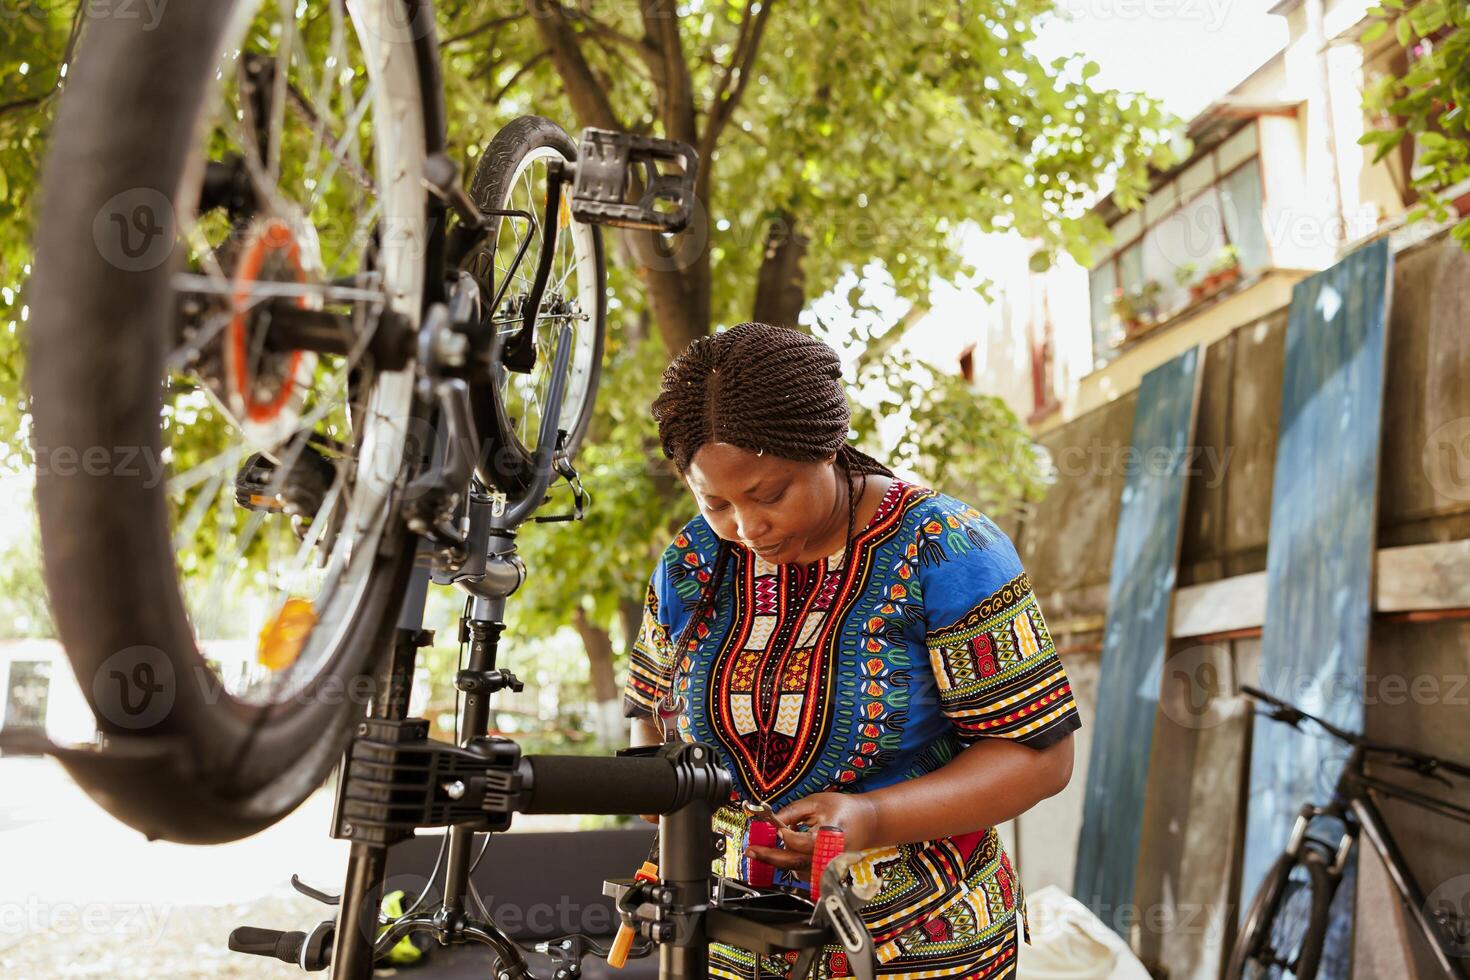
(283, 637)
(564, 215)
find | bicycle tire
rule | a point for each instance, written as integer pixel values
(507, 462)
(1266, 906)
(209, 768)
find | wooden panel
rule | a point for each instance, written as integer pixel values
(1232, 603)
(1426, 463)
(1417, 694)
(1141, 585)
(1424, 576)
(1416, 577)
(1202, 536)
(1066, 543)
(1255, 414)
(1191, 832)
(1319, 562)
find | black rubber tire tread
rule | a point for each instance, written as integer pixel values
(97, 340)
(505, 462)
(1261, 915)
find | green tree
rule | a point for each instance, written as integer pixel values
(1428, 101)
(835, 140)
(36, 39)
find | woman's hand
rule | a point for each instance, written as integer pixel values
(853, 813)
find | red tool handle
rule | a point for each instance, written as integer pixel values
(759, 873)
(831, 841)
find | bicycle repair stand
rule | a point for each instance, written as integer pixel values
(396, 780)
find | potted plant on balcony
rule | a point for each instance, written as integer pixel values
(1124, 309)
(1225, 269)
(1148, 301)
(1137, 308)
(1184, 275)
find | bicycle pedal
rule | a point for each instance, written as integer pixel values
(607, 164)
(303, 491)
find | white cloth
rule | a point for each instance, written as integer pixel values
(1068, 942)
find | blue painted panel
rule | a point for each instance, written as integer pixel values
(1140, 594)
(1319, 559)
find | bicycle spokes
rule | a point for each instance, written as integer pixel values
(276, 343)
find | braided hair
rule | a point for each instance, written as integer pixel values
(763, 389)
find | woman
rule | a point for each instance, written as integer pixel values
(862, 652)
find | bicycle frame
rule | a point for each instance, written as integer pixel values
(1356, 791)
(1354, 804)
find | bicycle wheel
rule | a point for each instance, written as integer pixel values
(217, 510)
(508, 406)
(1287, 921)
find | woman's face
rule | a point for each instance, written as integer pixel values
(780, 509)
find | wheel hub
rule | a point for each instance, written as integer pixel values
(265, 387)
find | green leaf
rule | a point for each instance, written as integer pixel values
(1404, 31)
(1374, 31)
(1395, 137)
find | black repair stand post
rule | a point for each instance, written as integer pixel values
(685, 872)
(357, 932)
(357, 919)
(396, 779)
(480, 678)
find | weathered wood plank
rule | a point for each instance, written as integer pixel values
(1141, 586)
(1320, 556)
(1416, 577)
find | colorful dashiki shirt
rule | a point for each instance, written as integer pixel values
(853, 676)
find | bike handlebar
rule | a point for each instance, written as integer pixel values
(624, 784)
(285, 946)
(1290, 714)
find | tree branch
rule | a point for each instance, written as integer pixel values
(531, 62)
(588, 98)
(675, 87)
(607, 32)
(742, 61)
(728, 71)
(615, 55)
(19, 104)
(482, 27)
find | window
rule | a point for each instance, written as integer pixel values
(1169, 252)
(1240, 194)
(1130, 267)
(1100, 285)
(1182, 246)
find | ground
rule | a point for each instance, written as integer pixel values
(81, 895)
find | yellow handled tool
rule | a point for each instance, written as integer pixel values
(617, 957)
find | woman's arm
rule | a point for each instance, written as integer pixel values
(990, 782)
